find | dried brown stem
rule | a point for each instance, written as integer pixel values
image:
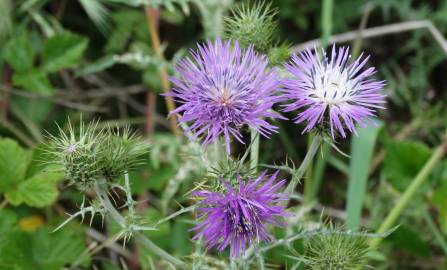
(152, 18)
(393, 28)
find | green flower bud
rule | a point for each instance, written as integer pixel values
(278, 55)
(93, 154)
(121, 151)
(335, 249)
(252, 25)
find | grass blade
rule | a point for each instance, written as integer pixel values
(362, 147)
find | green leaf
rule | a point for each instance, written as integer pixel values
(440, 201)
(19, 53)
(160, 177)
(62, 51)
(97, 66)
(180, 240)
(34, 80)
(410, 240)
(13, 163)
(361, 155)
(38, 191)
(8, 221)
(403, 161)
(35, 110)
(41, 250)
(54, 250)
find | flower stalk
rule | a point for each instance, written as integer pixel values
(117, 217)
(313, 148)
(254, 150)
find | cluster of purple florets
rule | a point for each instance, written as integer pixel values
(224, 88)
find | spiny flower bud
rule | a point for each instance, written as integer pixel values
(231, 170)
(335, 249)
(92, 154)
(76, 153)
(252, 25)
(121, 150)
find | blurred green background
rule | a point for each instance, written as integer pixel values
(109, 60)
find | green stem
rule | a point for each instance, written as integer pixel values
(148, 244)
(318, 173)
(326, 22)
(438, 235)
(410, 192)
(313, 148)
(130, 201)
(254, 150)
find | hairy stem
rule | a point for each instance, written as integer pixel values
(254, 150)
(129, 198)
(313, 148)
(411, 190)
(148, 244)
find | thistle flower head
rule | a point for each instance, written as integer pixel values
(224, 88)
(238, 217)
(332, 91)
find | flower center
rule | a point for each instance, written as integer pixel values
(71, 148)
(224, 97)
(333, 88)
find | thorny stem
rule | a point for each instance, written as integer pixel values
(304, 165)
(411, 191)
(128, 195)
(254, 150)
(148, 244)
(155, 40)
(177, 213)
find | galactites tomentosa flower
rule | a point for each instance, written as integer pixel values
(238, 216)
(222, 88)
(332, 92)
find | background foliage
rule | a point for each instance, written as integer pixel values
(99, 60)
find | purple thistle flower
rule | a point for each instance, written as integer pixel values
(223, 88)
(332, 91)
(239, 217)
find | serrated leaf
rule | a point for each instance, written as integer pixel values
(19, 53)
(41, 250)
(13, 163)
(403, 161)
(38, 191)
(41, 189)
(54, 250)
(62, 51)
(35, 81)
